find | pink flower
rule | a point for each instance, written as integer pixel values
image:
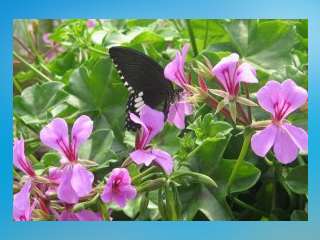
(22, 210)
(45, 38)
(54, 175)
(151, 122)
(229, 74)
(84, 215)
(92, 22)
(75, 181)
(281, 100)
(118, 187)
(178, 111)
(174, 71)
(19, 158)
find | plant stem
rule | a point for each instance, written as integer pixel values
(246, 88)
(249, 207)
(17, 85)
(242, 113)
(98, 51)
(243, 152)
(192, 38)
(145, 173)
(22, 45)
(31, 43)
(36, 71)
(206, 36)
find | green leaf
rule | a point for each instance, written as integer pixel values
(299, 215)
(207, 127)
(168, 139)
(36, 102)
(207, 155)
(97, 148)
(198, 198)
(61, 64)
(207, 31)
(100, 94)
(248, 38)
(297, 180)
(25, 76)
(246, 177)
(50, 159)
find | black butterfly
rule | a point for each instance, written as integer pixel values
(145, 81)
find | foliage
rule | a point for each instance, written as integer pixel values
(82, 80)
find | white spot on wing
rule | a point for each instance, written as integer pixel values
(139, 104)
(138, 99)
(140, 108)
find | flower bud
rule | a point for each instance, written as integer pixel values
(152, 185)
(204, 70)
(144, 203)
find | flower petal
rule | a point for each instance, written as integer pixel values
(153, 120)
(225, 71)
(81, 180)
(284, 147)
(294, 95)
(45, 38)
(65, 191)
(120, 199)
(81, 131)
(298, 136)
(140, 157)
(21, 203)
(164, 159)
(246, 73)
(67, 216)
(19, 158)
(262, 141)
(174, 70)
(269, 95)
(177, 113)
(106, 195)
(55, 135)
(86, 215)
(129, 191)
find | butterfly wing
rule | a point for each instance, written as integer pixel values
(144, 79)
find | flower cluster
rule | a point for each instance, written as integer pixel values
(151, 122)
(66, 191)
(70, 182)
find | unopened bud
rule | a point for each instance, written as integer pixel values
(202, 84)
(144, 203)
(246, 101)
(88, 163)
(192, 89)
(152, 185)
(261, 124)
(219, 93)
(204, 70)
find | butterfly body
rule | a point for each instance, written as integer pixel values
(145, 81)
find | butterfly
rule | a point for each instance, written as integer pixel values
(145, 81)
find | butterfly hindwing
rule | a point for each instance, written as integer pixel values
(144, 79)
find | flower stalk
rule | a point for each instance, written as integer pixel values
(243, 153)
